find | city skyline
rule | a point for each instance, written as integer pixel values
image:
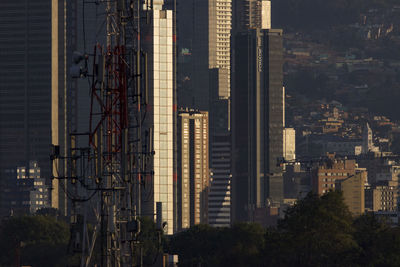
(127, 118)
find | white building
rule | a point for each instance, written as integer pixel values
(289, 144)
(158, 43)
(367, 140)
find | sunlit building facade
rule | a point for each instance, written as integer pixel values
(193, 169)
(159, 46)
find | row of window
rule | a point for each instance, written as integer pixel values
(333, 174)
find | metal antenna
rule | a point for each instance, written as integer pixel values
(112, 168)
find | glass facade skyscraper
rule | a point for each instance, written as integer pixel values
(257, 111)
(36, 41)
(257, 122)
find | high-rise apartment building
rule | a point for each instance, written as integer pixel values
(257, 111)
(158, 44)
(38, 38)
(219, 51)
(193, 168)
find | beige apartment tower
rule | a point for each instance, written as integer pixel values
(220, 25)
(193, 168)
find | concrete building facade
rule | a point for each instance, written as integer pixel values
(382, 197)
(328, 172)
(352, 188)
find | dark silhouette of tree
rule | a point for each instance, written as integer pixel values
(317, 231)
(33, 240)
(206, 246)
(379, 243)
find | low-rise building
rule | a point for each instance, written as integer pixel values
(381, 197)
(325, 175)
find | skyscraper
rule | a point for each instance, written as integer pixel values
(204, 32)
(193, 169)
(220, 26)
(38, 38)
(219, 198)
(252, 14)
(257, 109)
(204, 67)
(219, 32)
(193, 57)
(158, 44)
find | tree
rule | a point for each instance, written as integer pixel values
(151, 240)
(207, 246)
(34, 240)
(317, 231)
(380, 244)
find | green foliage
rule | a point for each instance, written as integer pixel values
(152, 241)
(380, 243)
(41, 240)
(317, 231)
(237, 246)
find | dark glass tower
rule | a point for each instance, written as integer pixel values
(37, 40)
(257, 124)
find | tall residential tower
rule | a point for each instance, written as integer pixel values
(193, 169)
